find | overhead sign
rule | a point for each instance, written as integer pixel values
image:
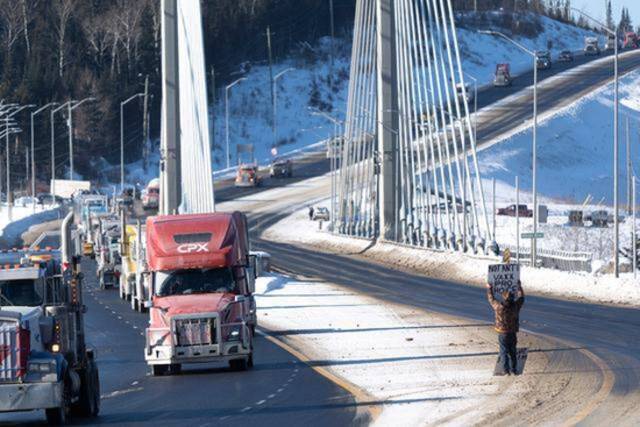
(504, 277)
(532, 235)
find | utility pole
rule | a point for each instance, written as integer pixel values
(145, 125)
(333, 36)
(171, 179)
(273, 97)
(629, 168)
(213, 108)
(387, 103)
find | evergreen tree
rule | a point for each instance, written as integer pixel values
(609, 14)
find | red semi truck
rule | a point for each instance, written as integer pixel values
(201, 278)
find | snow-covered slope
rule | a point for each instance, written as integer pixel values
(575, 148)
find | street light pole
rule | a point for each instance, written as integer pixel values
(53, 145)
(16, 110)
(70, 125)
(534, 142)
(616, 131)
(226, 114)
(33, 157)
(275, 103)
(122, 104)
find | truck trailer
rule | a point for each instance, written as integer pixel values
(202, 279)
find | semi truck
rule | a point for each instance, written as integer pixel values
(591, 46)
(502, 76)
(202, 279)
(108, 249)
(44, 361)
(151, 195)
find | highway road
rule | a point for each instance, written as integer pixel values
(278, 390)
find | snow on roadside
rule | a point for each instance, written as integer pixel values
(463, 268)
(423, 366)
(22, 218)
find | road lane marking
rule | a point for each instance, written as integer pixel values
(360, 395)
(248, 408)
(271, 396)
(608, 379)
(260, 402)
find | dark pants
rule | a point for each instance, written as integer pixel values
(508, 353)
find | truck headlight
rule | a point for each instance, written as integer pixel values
(41, 367)
(235, 334)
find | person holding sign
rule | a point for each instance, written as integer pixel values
(507, 324)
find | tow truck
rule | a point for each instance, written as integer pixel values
(202, 279)
(44, 361)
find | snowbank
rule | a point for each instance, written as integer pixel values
(22, 218)
(463, 268)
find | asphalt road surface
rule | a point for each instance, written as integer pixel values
(278, 391)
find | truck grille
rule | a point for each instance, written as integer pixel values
(191, 332)
(14, 351)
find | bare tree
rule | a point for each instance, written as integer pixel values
(11, 17)
(129, 17)
(64, 10)
(28, 7)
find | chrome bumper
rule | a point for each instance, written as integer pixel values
(167, 355)
(30, 396)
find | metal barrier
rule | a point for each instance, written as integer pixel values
(555, 259)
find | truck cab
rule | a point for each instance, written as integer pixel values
(151, 195)
(247, 176)
(202, 280)
(591, 46)
(44, 362)
(502, 76)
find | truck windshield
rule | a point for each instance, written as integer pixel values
(188, 282)
(21, 293)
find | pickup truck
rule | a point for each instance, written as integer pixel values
(511, 210)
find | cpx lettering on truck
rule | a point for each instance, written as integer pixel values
(201, 279)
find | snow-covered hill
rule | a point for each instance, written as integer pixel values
(575, 148)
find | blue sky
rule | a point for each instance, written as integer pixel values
(596, 8)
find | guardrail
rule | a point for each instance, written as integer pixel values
(555, 259)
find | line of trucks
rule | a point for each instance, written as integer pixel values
(630, 40)
(193, 274)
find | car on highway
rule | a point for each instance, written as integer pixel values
(502, 76)
(566, 56)
(321, 214)
(460, 95)
(281, 168)
(543, 60)
(49, 199)
(247, 176)
(511, 210)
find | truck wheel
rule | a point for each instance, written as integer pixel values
(239, 364)
(89, 403)
(159, 370)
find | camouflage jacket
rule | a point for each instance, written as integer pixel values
(507, 315)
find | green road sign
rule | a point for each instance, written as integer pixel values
(532, 236)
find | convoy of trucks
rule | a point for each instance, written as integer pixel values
(45, 363)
